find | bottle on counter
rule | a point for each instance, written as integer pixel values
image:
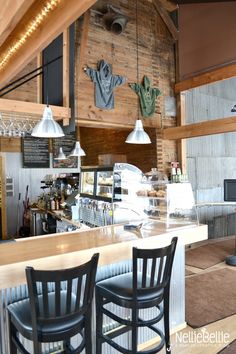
(48, 205)
(52, 202)
(56, 199)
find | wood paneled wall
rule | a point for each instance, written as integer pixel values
(155, 57)
(156, 60)
(103, 141)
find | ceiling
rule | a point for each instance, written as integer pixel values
(180, 2)
(18, 17)
(26, 29)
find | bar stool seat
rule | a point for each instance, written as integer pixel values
(146, 287)
(58, 308)
(22, 319)
(120, 290)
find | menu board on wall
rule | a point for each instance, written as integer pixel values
(67, 143)
(35, 152)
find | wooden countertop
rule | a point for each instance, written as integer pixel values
(69, 249)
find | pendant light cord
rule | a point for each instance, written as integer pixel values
(46, 82)
(137, 40)
(137, 53)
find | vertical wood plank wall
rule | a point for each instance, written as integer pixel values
(156, 60)
(102, 141)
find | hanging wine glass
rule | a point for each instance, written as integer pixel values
(1, 125)
(19, 127)
(10, 127)
(5, 127)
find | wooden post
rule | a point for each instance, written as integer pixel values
(181, 144)
(81, 45)
(66, 71)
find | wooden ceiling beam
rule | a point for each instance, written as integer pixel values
(166, 18)
(13, 106)
(209, 77)
(210, 127)
(169, 5)
(58, 20)
(12, 12)
(104, 125)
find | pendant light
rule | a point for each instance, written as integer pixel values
(77, 151)
(138, 135)
(47, 127)
(61, 155)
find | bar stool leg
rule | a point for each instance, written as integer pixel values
(134, 330)
(88, 334)
(66, 346)
(12, 334)
(37, 347)
(99, 320)
(167, 319)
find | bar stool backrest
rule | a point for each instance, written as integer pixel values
(152, 268)
(60, 295)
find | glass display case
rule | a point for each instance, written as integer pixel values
(109, 199)
(87, 182)
(122, 193)
(181, 207)
(104, 184)
(110, 183)
(171, 203)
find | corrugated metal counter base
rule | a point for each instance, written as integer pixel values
(177, 306)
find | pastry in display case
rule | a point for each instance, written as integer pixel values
(171, 203)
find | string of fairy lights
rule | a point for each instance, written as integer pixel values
(46, 9)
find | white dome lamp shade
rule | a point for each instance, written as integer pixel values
(138, 135)
(61, 155)
(77, 151)
(47, 127)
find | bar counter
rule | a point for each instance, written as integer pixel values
(69, 249)
(58, 251)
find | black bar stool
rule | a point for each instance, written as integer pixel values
(58, 308)
(148, 286)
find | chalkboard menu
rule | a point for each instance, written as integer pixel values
(35, 152)
(67, 143)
